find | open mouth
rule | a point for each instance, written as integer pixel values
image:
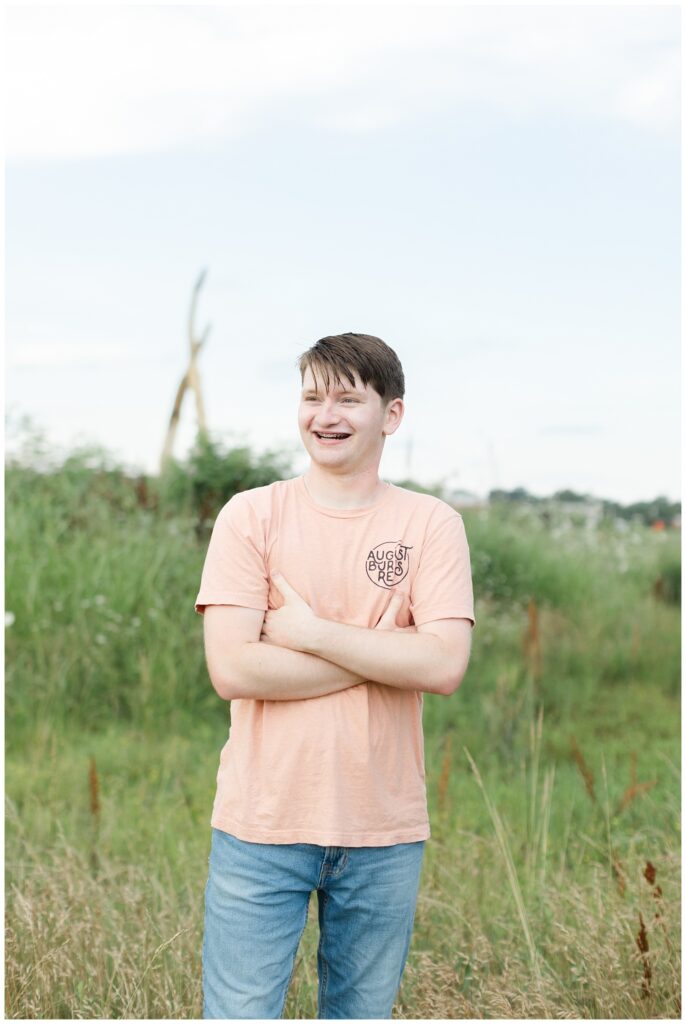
(329, 438)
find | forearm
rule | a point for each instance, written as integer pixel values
(264, 671)
(402, 658)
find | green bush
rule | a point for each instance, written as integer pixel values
(667, 586)
(212, 474)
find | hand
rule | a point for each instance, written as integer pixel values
(290, 625)
(387, 620)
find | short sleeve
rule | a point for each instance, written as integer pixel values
(234, 571)
(442, 586)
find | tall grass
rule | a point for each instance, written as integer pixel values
(551, 883)
(521, 911)
(98, 583)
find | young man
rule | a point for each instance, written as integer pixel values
(332, 602)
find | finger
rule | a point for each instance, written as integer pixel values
(387, 620)
(284, 586)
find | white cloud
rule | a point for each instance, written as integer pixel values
(96, 81)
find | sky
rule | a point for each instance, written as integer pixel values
(494, 191)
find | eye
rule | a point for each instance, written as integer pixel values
(349, 399)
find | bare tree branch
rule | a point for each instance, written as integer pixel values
(190, 379)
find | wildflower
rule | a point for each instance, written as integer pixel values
(9, 619)
(99, 599)
(100, 639)
(135, 622)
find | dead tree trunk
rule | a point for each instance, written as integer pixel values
(190, 379)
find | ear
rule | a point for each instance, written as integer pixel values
(393, 415)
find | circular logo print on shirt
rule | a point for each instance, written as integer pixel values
(387, 563)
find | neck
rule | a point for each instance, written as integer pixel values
(356, 489)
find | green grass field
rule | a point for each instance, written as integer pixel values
(551, 882)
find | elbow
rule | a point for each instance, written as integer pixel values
(223, 688)
(231, 686)
(240, 678)
(457, 669)
(452, 679)
(226, 680)
(232, 664)
(451, 662)
(450, 685)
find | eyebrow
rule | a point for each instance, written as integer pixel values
(311, 391)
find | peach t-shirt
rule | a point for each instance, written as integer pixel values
(346, 768)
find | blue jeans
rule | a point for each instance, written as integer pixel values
(256, 902)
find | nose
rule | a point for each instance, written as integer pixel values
(327, 414)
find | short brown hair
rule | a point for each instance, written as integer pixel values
(338, 355)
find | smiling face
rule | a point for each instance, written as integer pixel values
(357, 412)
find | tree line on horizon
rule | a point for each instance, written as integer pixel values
(213, 471)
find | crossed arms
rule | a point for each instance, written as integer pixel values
(289, 653)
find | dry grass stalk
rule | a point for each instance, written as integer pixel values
(586, 772)
(642, 943)
(650, 873)
(94, 791)
(546, 806)
(634, 788)
(535, 733)
(532, 641)
(139, 982)
(618, 873)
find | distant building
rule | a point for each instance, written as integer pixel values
(555, 512)
(586, 513)
(465, 499)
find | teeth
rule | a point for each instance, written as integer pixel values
(333, 435)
